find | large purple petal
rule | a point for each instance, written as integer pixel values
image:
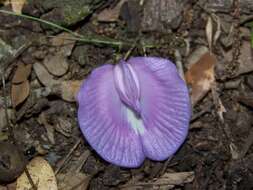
(103, 121)
(165, 106)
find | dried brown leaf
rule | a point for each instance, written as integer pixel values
(73, 180)
(69, 90)
(200, 76)
(19, 92)
(195, 55)
(110, 14)
(49, 128)
(22, 73)
(64, 43)
(44, 76)
(178, 178)
(56, 64)
(41, 173)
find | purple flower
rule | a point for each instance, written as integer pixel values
(136, 109)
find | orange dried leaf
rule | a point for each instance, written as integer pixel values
(200, 76)
(22, 73)
(19, 92)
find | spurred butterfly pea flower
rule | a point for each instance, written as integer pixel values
(134, 110)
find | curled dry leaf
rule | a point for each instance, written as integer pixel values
(43, 75)
(22, 73)
(19, 92)
(42, 175)
(56, 64)
(200, 76)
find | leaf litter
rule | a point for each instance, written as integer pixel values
(204, 168)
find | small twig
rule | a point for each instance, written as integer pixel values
(202, 112)
(61, 164)
(11, 133)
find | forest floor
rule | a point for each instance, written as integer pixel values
(43, 64)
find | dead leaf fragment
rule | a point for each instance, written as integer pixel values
(56, 64)
(17, 5)
(22, 73)
(43, 75)
(200, 76)
(19, 92)
(49, 128)
(166, 181)
(64, 43)
(195, 55)
(41, 173)
(110, 14)
(73, 180)
(177, 178)
(69, 90)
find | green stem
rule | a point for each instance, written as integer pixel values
(76, 36)
(41, 21)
